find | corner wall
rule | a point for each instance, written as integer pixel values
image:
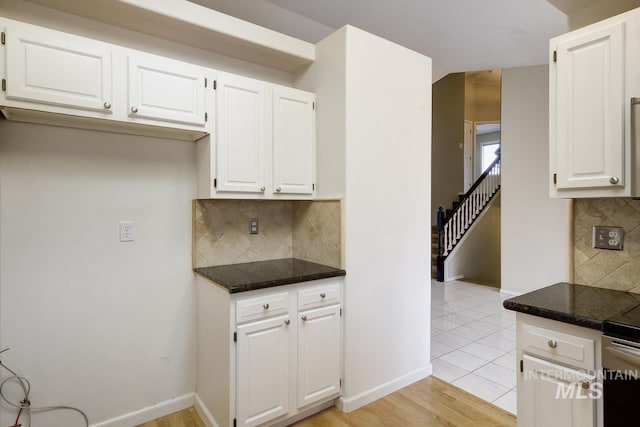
(536, 230)
(102, 325)
(447, 162)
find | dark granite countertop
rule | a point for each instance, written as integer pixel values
(249, 276)
(577, 304)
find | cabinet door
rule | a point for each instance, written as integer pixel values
(262, 371)
(165, 90)
(590, 106)
(552, 395)
(293, 141)
(319, 352)
(240, 119)
(49, 67)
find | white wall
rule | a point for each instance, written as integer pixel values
(385, 150)
(536, 237)
(387, 219)
(477, 257)
(92, 322)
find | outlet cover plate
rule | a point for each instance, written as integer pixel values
(605, 237)
(126, 231)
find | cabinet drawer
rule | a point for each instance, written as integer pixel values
(572, 350)
(318, 296)
(262, 307)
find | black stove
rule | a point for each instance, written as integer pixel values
(625, 325)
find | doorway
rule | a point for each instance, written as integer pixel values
(487, 138)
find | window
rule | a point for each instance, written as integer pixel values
(489, 154)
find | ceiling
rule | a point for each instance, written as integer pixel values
(459, 35)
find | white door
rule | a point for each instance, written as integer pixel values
(240, 135)
(468, 155)
(165, 90)
(318, 354)
(590, 109)
(552, 395)
(50, 67)
(262, 371)
(293, 141)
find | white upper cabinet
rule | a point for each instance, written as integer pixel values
(264, 144)
(61, 79)
(49, 67)
(240, 135)
(590, 97)
(293, 141)
(593, 77)
(165, 90)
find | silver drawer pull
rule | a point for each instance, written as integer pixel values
(323, 295)
(134, 109)
(107, 105)
(552, 343)
(265, 306)
(286, 322)
(304, 318)
(614, 180)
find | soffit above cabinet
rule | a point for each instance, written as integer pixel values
(191, 24)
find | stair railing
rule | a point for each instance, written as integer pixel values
(452, 227)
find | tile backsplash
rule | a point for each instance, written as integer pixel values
(606, 268)
(309, 230)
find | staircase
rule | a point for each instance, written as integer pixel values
(454, 223)
(434, 239)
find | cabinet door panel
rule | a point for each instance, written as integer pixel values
(318, 354)
(262, 371)
(54, 68)
(166, 90)
(552, 395)
(240, 135)
(590, 109)
(293, 141)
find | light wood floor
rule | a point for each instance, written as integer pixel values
(429, 402)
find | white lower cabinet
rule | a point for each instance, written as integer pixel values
(258, 365)
(558, 385)
(263, 371)
(318, 360)
(556, 395)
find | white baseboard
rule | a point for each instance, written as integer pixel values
(149, 413)
(450, 279)
(204, 413)
(359, 400)
(510, 293)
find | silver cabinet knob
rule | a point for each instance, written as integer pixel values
(262, 188)
(552, 343)
(107, 105)
(287, 322)
(278, 189)
(304, 318)
(265, 306)
(585, 384)
(614, 180)
(134, 109)
(323, 295)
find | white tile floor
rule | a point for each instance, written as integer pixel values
(473, 341)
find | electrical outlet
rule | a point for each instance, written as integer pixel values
(126, 231)
(608, 237)
(253, 225)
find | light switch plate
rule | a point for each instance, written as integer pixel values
(253, 225)
(608, 237)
